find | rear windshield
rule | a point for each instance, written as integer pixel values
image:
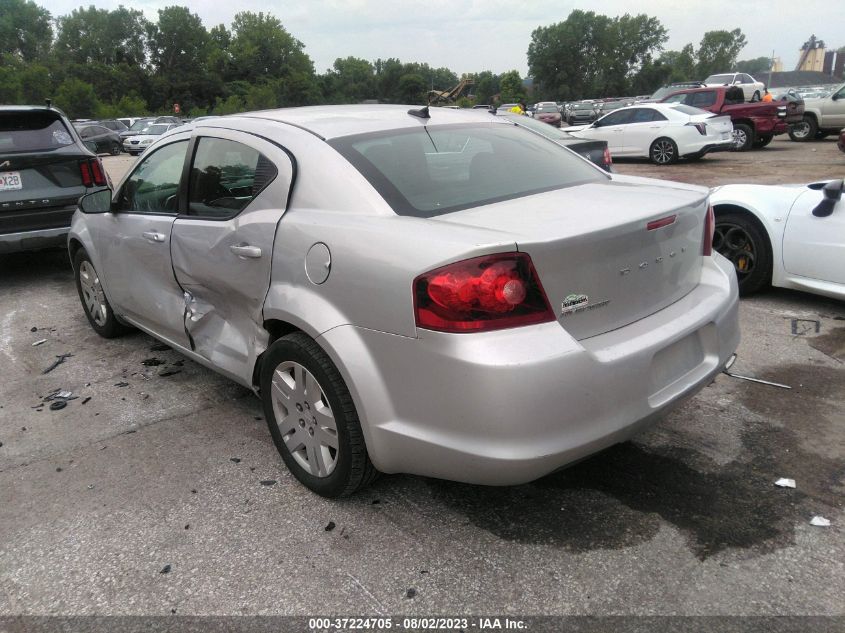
(583, 106)
(158, 128)
(547, 108)
(140, 125)
(719, 79)
(549, 131)
(426, 172)
(690, 110)
(32, 131)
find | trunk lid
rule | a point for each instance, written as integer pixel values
(600, 264)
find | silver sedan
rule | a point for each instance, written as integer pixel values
(413, 291)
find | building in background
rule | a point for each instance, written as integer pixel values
(812, 55)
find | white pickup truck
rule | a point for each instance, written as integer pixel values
(822, 116)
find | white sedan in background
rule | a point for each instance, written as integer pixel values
(751, 88)
(790, 236)
(136, 144)
(661, 132)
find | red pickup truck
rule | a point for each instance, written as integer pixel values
(755, 124)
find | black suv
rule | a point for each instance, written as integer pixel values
(44, 169)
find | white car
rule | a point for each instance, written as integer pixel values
(662, 132)
(136, 144)
(751, 88)
(790, 236)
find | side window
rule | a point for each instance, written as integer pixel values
(225, 177)
(644, 115)
(616, 118)
(679, 98)
(154, 186)
(703, 99)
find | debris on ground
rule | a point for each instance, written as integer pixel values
(165, 570)
(268, 482)
(58, 404)
(820, 521)
(187, 526)
(152, 362)
(169, 372)
(121, 384)
(236, 460)
(86, 400)
(159, 347)
(33, 329)
(39, 342)
(411, 593)
(784, 482)
(376, 502)
(329, 526)
(59, 360)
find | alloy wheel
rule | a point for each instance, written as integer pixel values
(740, 138)
(92, 291)
(305, 419)
(735, 244)
(801, 129)
(663, 152)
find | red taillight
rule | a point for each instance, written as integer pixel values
(92, 173)
(709, 230)
(701, 127)
(659, 224)
(607, 160)
(481, 294)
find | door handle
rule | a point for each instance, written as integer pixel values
(154, 236)
(246, 251)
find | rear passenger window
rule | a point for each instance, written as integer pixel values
(703, 99)
(154, 185)
(225, 177)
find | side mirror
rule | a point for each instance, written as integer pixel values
(97, 202)
(90, 146)
(832, 194)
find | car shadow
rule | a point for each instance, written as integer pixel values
(21, 268)
(619, 498)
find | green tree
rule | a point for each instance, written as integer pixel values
(591, 55)
(25, 30)
(681, 63)
(511, 86)
(350, 80)
(260, 97)
(486, 86)
(231, 105)
(77, 99)
(129, 105)
(101, 36)
(718, 51)
(412, 86)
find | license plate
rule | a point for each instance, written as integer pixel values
(10, 180)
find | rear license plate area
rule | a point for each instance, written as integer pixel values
(10, 181)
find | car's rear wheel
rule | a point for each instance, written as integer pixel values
(803, 130)
(93, 297)
(312, 418)
(663, 151)
(763, 140)
(743, 137)
(741, 240)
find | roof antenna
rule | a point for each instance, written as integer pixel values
(49, 102)
(421, 113)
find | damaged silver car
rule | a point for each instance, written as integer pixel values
(415, 291)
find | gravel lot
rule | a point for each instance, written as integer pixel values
(145, 473)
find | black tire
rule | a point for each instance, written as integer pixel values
(752, 262)
(108, 325)
(805, 130)
(663, 151)
(743, 137)
(763, 140)
(115, 149)
(353, 469)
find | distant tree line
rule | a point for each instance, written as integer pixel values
(592, 55)
(104, 63)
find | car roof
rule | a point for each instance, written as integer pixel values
(335, 121)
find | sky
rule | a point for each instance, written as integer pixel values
(474, 35)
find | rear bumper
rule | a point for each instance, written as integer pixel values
(33, 240)
(507, 407)
(707, 148)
